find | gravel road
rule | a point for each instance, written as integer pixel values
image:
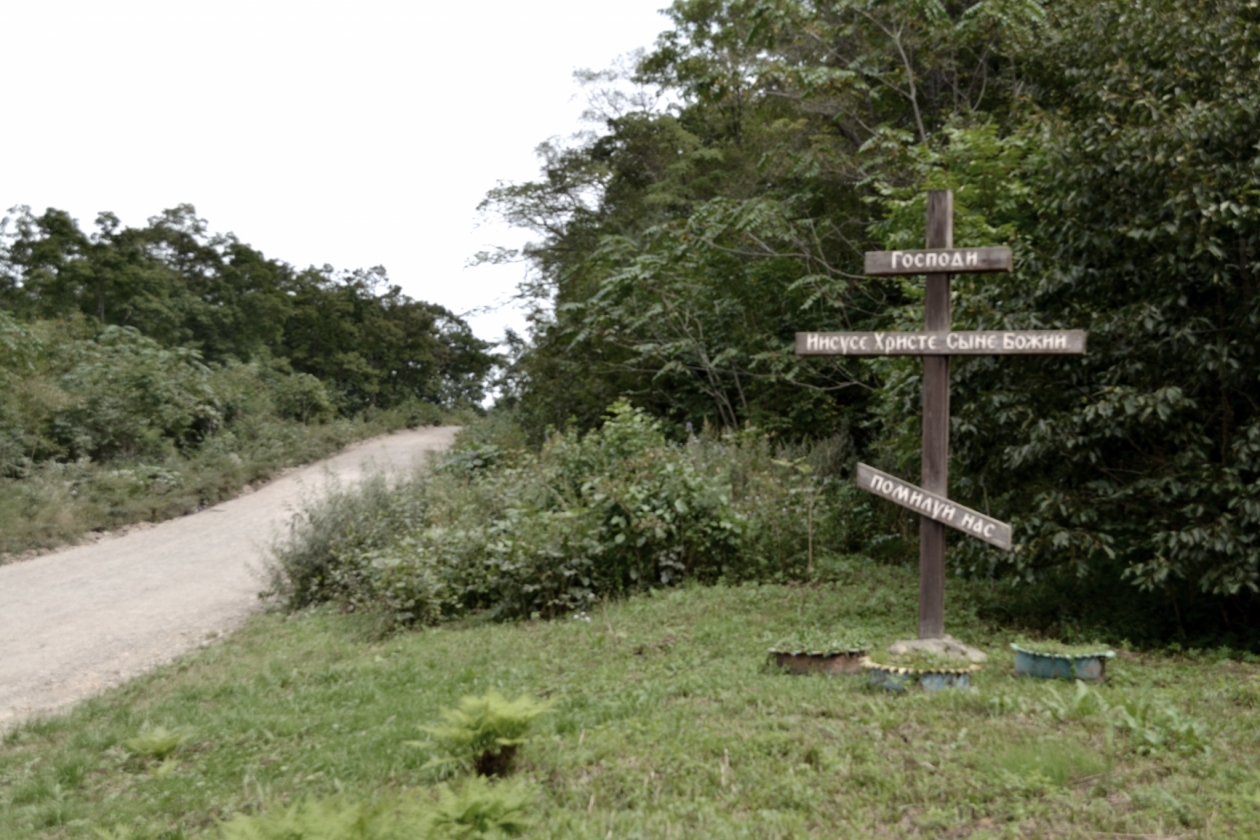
(84, 618)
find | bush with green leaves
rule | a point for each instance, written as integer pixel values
(71, 392)
(614, 511)
(518, 533)
(332, 549)
(132, 396)
(303, 397)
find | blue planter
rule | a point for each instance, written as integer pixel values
(898, 679)
(1048, 666)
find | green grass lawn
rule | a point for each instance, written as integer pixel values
(667, 723)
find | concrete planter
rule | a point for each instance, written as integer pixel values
(896, 678)
(831, 662)
(1065, 666)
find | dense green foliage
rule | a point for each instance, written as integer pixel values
(724, 203)
(1143, 211)
(520, 533)
(666, 723)
(181, 286)
(101, 428)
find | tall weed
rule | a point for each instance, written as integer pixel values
(1151, 725)
(331, 551)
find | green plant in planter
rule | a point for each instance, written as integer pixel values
(817, 640)
(919, 660)
(484, 732)
(1056, 648)
(931, 671)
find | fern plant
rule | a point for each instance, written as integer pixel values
(156, 742)
(334, 818)
(480, 809)
(476, 809)
(484, 732)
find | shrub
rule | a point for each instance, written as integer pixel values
(331, 547)
(302, 397)
(132, 396)
(519, 533)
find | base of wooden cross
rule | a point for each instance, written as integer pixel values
(936, 306)
(943, 646)
(931, 579)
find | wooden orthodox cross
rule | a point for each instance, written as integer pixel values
(938, 261)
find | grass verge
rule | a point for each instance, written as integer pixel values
(57, 503)
(666, 723)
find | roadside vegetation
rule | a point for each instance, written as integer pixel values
(517, 533)
(147, 373)
(664, 720)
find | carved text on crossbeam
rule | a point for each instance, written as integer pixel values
(939, 508)
(938, 260)
(961, 343)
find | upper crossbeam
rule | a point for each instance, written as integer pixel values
(938, 261)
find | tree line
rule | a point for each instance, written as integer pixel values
(177, 284)
(738, 170)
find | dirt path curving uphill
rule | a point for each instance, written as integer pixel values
(88, 617)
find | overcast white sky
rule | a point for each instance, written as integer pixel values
(355, 134)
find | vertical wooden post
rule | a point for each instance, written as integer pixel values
(940, 234)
